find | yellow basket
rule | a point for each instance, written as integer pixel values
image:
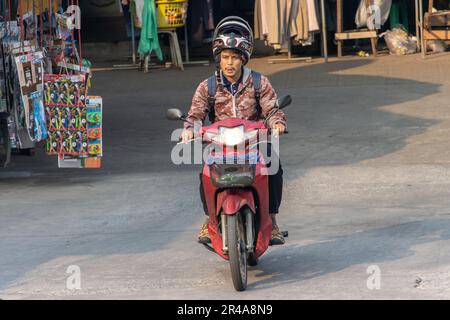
(171, 14)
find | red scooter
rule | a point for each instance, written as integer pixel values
(236, 190)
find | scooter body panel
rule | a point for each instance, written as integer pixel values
(230, 200)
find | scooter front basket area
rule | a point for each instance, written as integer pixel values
(228, 171)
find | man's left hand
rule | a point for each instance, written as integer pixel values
(278, 129)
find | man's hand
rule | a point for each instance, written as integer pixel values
(187, 135)
(278, 129)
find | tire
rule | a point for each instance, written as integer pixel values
(237, 251)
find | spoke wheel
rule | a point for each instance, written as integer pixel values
(237, 251)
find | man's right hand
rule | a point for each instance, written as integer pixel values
(187, 135)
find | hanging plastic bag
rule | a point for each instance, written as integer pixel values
(399, 41)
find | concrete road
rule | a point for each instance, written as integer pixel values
(367, 189)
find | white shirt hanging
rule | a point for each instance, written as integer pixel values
(375, 17)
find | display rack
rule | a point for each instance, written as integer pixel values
(341, 35)
(435, 26)
(44, 81)
(291, 59)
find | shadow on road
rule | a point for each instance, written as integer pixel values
(293, 264)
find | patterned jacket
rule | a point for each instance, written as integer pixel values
(241, 105)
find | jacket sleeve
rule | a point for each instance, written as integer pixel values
(267, 102)
(199, 107)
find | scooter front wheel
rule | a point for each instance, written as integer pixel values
(237, 251)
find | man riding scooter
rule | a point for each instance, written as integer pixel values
(237, 92)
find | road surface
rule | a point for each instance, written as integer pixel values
(366, 198)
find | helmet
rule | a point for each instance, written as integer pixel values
(233, 33)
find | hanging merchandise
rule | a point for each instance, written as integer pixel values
(399, 14)
(63, 26)
(74, 121)
(201, 22)
(149, 34)
(306, 22)
(261, 28)
(94, 113)
(9, 31)
(313, 16)
(43, 85)
(93, 139)
(30, 72)
(66, 113)
(364, 11)
(40, 128)
(21, 97)
(285, 21)
(138, 7)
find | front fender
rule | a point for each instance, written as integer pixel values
(231, 201)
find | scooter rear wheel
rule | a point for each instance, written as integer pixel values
(237, 251)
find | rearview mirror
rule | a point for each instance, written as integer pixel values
(284, 101)
(174, 114)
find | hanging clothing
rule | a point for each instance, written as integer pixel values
(201, 21)
(399, 14)
(363, 13)
(268, 21)
(301, 20)
(261, 17)
(138, 7)
(273, 21)
(149, 32)
(264, 26)
(330, 16)
(257, 21)
(313, 20)
(208, 15)
(281, 21)
(127, 9)
(284, 22)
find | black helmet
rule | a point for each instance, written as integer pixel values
(233, 33)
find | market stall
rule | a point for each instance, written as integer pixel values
(435, 26)
(44, 84)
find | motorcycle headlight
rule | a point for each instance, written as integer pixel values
(231, 136)
(236, 135)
